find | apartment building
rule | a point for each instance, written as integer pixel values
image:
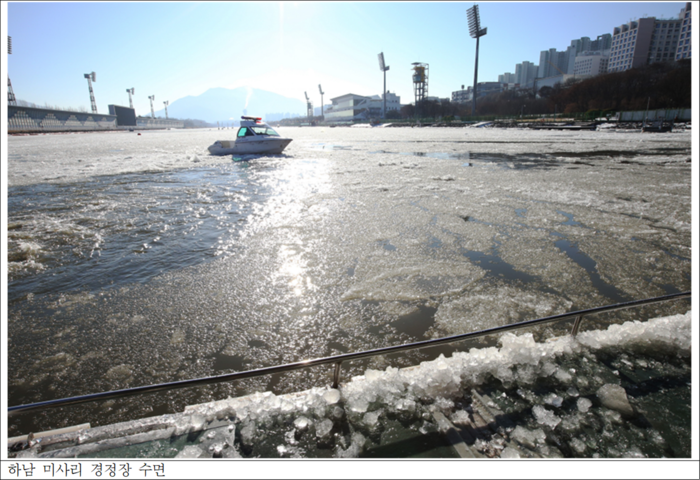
(683, 49)
(651, 40)
(630, 45)
(553, 63)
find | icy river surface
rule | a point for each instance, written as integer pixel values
(141, 259)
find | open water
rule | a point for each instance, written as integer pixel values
(141, 259)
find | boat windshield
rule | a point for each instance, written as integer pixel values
(265, 130)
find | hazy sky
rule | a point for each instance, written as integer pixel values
(172, 50)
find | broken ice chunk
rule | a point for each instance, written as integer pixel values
(371, 419)
(545, 417)
(583, 404)
(301, 423)
(332, 396)
(509, 452)
(359, 405)
(529, 438)
(577, 446)
(190, 451)
(324, 428)
(553, 399)
(615, 398)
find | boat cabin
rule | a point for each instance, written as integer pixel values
(254, 126)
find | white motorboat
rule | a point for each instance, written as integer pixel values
(254, 137)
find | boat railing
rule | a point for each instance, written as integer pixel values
(338, 360)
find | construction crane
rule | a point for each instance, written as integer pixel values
(558, 70)
(309, 107)
(10, 94)
(91, 76)
(130, 91)
(166, 103)
(151, 98)
(321, 91)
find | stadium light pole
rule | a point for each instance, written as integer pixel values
(130, 91)
(151, 98)
(91, 76)
(383, 68)
(475, 31)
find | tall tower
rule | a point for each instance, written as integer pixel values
(10, 94)
(166, 103)
(475, 31)
(91, 76)
(420, 83)
(151, 98)
(383, 68)
(130, 91)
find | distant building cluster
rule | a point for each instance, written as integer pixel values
(633, 45)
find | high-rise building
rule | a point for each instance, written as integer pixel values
(581, 45)
(553, 63)
(630, 45)
(684, 42)
(528, 73)
(664, 41)
(601, 43)
(651, 40)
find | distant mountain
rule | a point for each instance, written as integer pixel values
(223, 104)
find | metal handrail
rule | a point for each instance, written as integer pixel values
(337, 360)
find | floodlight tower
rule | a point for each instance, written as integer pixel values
(309, 107)
(321, 91)
(151, 98)
(91, 76)
(420, 82)
(166, 103)
(383, 68)
(475, 31)
(130, 91)
(10, 94)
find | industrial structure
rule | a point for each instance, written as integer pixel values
(166, 103)
(91, 76)
(475, 31)
(383, 67)
(420, 83)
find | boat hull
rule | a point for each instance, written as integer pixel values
(262, 146)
